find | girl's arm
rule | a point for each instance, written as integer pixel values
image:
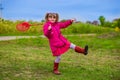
(47, 30)
(66, 23)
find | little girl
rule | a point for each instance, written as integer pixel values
(59, 44)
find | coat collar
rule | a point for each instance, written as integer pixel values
(51, 23)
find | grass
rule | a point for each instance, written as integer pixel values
(31, 59)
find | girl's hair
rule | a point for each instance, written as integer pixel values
(52, 14)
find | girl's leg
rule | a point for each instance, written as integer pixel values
(79, 49)
(56, 65)
(58, 58)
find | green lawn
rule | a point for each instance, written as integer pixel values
(31, 59)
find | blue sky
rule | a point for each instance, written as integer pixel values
(82, 10)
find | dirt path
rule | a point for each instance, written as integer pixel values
(5, 38)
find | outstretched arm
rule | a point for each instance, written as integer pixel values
(66, 23)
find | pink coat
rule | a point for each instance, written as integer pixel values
(58, 43)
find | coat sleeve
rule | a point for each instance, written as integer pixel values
(47, 32)
(65, 24)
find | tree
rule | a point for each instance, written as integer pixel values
(102, 20)
(62, 20)
(42, 20)
(116, 23)
(107, 24)
(88, 22)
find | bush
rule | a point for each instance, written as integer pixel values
(78, 28)
(9, 28)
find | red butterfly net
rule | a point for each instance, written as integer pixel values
(24, 26)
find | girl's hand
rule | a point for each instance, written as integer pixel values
(73, 20)
(49, 27)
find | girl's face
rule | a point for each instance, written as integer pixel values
(52, 18)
